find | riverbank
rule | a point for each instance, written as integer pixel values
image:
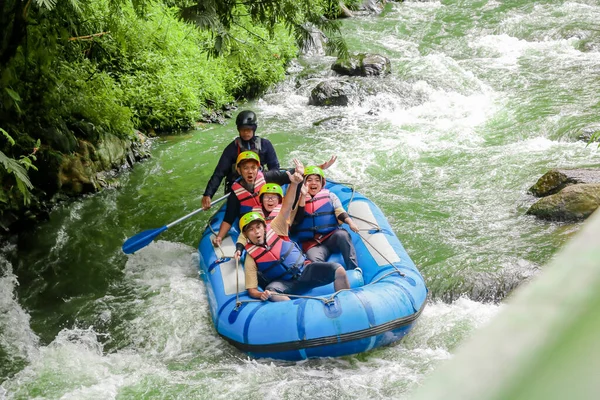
(78, 102)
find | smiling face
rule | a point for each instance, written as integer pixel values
(270, 201)
(248, 169)
(314, 184)
(246, 132)
(255, 231)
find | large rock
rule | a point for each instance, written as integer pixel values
(555, 180)
(84, 171)
(344, 11)
(331, 93)
(314, 45)
(363, 64)
(373, 6)
(574, 202)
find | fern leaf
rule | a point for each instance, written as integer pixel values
(13, 167)
(49, 4)
(8, 137)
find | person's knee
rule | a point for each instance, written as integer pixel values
(342, 234)
(316, 254)
(277, 287)
(341, 279)
(342, 238)
(340, 271)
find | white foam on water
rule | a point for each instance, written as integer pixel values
(548, 22)
(172, 315)
(164, 316)
(17, 339)
(173, 350)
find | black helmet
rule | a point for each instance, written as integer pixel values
(246, 118)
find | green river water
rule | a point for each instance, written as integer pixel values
(484, 97)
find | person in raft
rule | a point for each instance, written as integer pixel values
(279, 261)
(246, 123)
(246, 189)
(271, 198)
(318, 230)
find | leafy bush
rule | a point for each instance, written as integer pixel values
(84, 69)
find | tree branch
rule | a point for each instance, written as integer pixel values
(88, 37)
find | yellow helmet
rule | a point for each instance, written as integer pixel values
(314, 170)
(247, 155)
(251, 217)
(271, 188)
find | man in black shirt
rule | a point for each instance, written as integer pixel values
(246, 124)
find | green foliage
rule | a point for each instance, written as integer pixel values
(260, 61)
(165, 77)
(74, 70)
(93, 96)
(353, 4)
(221, 17)
(18, 170)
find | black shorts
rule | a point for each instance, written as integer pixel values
(314, 274)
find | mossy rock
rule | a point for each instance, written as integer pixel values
(363, 64)
(573, 203)
(555, 180)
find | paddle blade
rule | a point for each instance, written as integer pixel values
(141, 240)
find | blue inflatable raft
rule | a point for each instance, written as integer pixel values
(380, 308)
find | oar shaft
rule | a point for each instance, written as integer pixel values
(196, 211)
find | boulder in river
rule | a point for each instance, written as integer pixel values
(573, 203)
(331, 93)
(363, 64)
(84, 171)
(555, 180)
(567, 195)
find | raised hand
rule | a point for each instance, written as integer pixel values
(296, 178)
(299, 167)
(329, 163)
(303, 190)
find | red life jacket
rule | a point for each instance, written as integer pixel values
(319, 220)
(278, 258)
(275, 212)
(248, 200)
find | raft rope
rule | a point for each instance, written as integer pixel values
(377, 228)
(237, 285)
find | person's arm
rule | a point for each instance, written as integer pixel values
(288, 199)
(223, 166)
(299, 217)
(270, 155)
(279, 177)
(239, 246)
(231, 213)
(223, 229)
(341, 214)
(251, 274)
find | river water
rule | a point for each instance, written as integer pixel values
(484, 97)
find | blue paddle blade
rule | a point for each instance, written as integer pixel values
(141, 240)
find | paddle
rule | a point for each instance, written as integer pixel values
(144, 238)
